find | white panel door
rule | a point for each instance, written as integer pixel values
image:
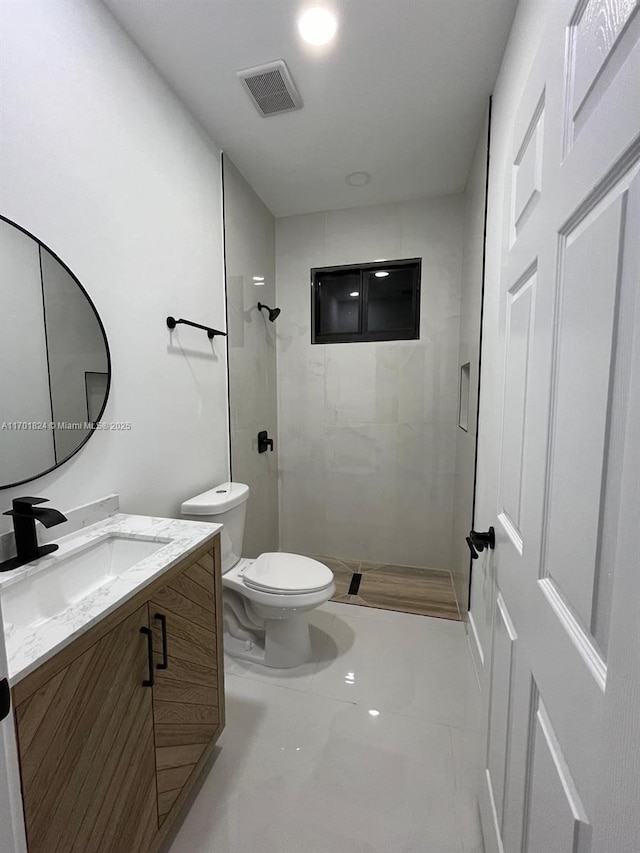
(562, 769)
(12, 836)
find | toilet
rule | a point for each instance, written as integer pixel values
(266, 600)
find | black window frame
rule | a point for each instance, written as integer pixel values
(363, 335)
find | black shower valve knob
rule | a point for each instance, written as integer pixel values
(264, 442)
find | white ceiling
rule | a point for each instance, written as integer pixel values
(400, 93)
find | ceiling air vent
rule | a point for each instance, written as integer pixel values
(271, 88)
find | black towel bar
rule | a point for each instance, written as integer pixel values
(172, 323)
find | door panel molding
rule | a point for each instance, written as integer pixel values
(501, 704)
(583, 349)
(519, 325)
(600, 37)
(581, 640)
(555, 816)
(526, 184)
(592, 545)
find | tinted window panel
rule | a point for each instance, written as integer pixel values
(390, 300)
(339, 309)
(379, 301)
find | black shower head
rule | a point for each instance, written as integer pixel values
(273, 312)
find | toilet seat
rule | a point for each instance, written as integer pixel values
(287, 574)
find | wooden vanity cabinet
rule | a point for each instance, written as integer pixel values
(106, 758)
(186, 706)
(86, 749)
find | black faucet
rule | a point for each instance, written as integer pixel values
(25, 513)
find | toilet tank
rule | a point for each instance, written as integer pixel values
(224, 504)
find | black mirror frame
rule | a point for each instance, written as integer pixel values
(106, 344)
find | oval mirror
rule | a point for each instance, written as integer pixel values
(55, 367)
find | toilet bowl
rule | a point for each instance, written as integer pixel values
(265, 600)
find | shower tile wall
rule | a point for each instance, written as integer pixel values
(250, 251)
(368, 430)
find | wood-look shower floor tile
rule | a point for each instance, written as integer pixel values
(426, 592)
(343, 571)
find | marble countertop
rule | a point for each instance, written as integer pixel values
(28, 647)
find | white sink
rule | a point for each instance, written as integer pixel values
(37, 598)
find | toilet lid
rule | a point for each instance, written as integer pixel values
(287, 574)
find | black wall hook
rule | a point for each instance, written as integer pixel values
(211, 333)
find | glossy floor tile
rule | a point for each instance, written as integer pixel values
(399, 662)
(368, 748)
(427, 592)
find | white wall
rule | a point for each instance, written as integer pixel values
(521, 48)
(468, 353)
(368, 430)
(104, 165)
(250, 251)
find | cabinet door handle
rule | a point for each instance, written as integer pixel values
(5, 699)
(165, 653)
(148, 682)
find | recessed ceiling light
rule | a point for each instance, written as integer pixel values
(358, 179)
(354, 293)
(317, 25)
(258, 278)
(374, 713)
(381, 274)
